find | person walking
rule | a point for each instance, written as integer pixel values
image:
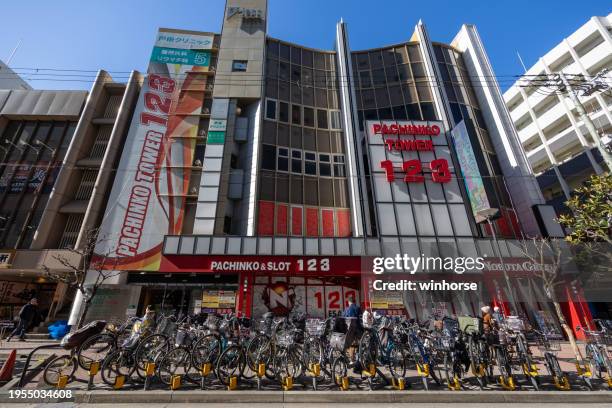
(27, 314)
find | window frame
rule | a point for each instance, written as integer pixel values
(275, 102)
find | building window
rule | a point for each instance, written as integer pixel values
(334, 120)
(296, 114)
(324, 165)
(270, 109)
(283, 112)
(268, 160)
(310, 163)
(296, 161)
(339, 169)
(239, 66)
(322, 118)
(308, 117)
(282, 163)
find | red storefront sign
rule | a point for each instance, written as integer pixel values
(268, 264)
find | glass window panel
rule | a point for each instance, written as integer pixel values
(322, 118)
(423, 91)
(386, 219)
(369, 101)
(404, 72)
(308, 96)
(405, 221)
(442, 219)
(418, 70)
(401, 192)
(410, 94)
(307, 58)
(363, 61)
(378, 77)
(268, 159)
(434, 191)
(270, 109)
(364, 79)
(460, 219)
(296, 93)
(382, 97)
(284, 51)
(395, 93)
(414, 53)
(283, 112)
(382, 188)
(296, 137)
(401, 56)
(376, 59)
(308, 117)
(452, 192)
(417, 192)
(423, 220)
(296, 114)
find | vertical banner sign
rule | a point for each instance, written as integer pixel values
(469, 168)
(148, 197)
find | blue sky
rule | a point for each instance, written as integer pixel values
(117, 35)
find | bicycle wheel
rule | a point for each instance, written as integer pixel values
(148, 350)
(527, 362)
(449, 370)
(95, 349)
(397, 362)
(368, 348)
(474, 355)
(259, 351)
(59, 366)
(206, 350)
(593, 357)
(175, 362)
(313, 352)
(231, 363)
(287, 363)
(119, 362)
(505, 370)
(339, 369)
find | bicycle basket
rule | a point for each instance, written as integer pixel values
(315, 327)
(212, 322)
(338, 341)
(167, 326)
(450, 326)
(470, 325)
(285, 338)
(515, 323)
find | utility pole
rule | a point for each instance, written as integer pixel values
(567, 88)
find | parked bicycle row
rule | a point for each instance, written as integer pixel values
(214, 350)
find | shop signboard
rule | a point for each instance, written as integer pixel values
(153, 175)
(469, 169)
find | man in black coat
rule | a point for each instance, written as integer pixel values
(27, 314)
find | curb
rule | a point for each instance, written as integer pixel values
(326, 397)
(344, 397)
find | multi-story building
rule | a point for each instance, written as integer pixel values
(261, 175)
(59, 149)
(558, 145)
(9, 79)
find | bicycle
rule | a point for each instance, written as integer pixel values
(597, 353)
(65, 366)
(477, 348)
(549, 349)
(382, 344)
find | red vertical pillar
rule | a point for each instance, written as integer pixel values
(244, 298)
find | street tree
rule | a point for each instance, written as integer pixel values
(548, 256)
(87, 273)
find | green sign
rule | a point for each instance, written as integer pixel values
(179, 56)
(216, 137)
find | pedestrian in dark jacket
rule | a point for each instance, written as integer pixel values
(27, 314)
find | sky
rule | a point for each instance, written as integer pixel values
(118, 35)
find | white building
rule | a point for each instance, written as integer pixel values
(556, 142)
(9, 79)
